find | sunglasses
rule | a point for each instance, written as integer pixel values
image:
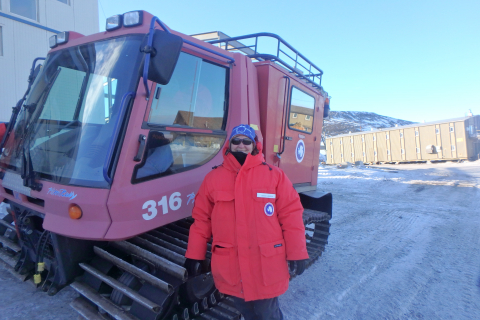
(237, 141)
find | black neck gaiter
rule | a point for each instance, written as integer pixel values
(240, 156)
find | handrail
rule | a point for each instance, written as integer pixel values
(115, 135)
(285, 114)
(18, 106)
(229, 59)
(313, 74)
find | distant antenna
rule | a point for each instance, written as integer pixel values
(470, 114)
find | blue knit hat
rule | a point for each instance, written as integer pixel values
(245, 130)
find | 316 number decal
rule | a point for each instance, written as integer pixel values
(174, 203)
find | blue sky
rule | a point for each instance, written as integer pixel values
(413, 60)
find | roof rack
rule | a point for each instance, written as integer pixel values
(285, 54)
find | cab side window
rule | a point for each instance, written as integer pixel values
(186, 120)
(302, 108)
(195, 96)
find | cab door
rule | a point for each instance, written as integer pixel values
(298, 156)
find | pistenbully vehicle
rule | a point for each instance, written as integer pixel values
(105, 152)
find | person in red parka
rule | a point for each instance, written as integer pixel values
(255, 217)
(3, 129)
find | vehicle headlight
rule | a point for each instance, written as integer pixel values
(62, 37)
(52, 41)
(114, 22)
(133, 18)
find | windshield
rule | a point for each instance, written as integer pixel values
(67, 123)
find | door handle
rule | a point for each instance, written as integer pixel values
(141, 148)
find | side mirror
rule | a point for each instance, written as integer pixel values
(167, 50)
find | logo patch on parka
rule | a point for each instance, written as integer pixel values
(269, 209)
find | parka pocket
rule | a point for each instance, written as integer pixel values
(225, 264)
(274, 262)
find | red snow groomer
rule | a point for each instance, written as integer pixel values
(104, 154)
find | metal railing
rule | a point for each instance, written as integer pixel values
(294, 61)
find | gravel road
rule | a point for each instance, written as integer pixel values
(404, 244)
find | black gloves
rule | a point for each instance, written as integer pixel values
(297, 267)
(194, 267)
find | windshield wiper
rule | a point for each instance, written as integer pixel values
(28, 175)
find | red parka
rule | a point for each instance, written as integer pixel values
(255, 217)
(3, 129)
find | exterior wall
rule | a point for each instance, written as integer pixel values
(358, 148)
(370, 149)
(347, 149)
(410, 144)
(472, 131)
(453, 139)
(395, 146)
(402, 144)
(382, 146)
(337, 151)
(461, 140)
(438, 141)
(427, 137)
(445, 140)
(22, 42)
(457, 139)
(329, 150)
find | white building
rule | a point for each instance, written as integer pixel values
(25, 27)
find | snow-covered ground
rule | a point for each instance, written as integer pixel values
(404, 244)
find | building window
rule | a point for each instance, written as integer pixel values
(373, 138)
(363, 153)
(353, 155)
(363, 139)
(374, 153)
(388, 152)
(341, 155)
(403, 151)
(418, 150)
(451, 129)
(401, 135)
(453, 148)
(25, 8)
(340, 141)
(437, 131)
(387, 136)
(416, 133)
(1, 41)
(331, 142)
(331, 156)
(351, 140)
(301, 103)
